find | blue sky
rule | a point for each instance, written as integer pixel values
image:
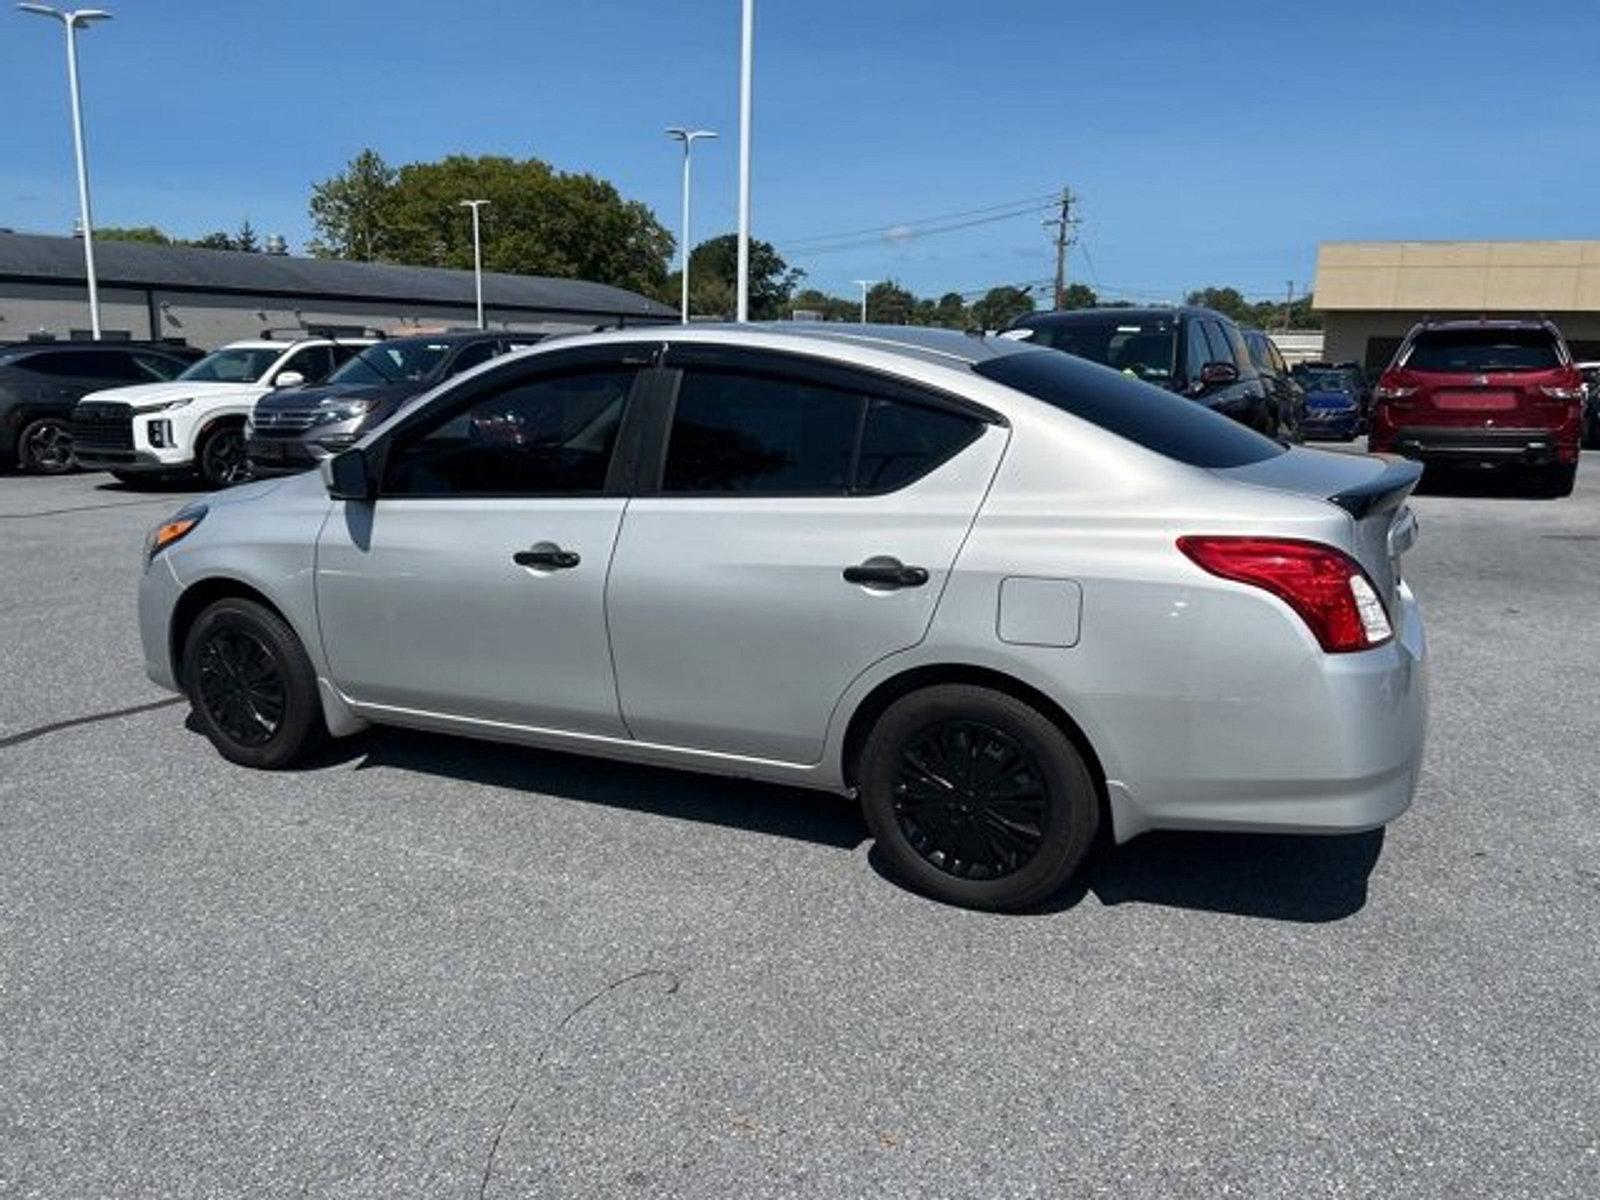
(1208, 143)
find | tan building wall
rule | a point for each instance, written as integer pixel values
(1371, 293)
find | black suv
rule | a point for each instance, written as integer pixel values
(40, 382)
(293, 429)
(1196, 352)
(1285, 388)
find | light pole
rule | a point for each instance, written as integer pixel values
(687, 137)
(864, 284)
(71, 21)
(477, 256)
(747, 37)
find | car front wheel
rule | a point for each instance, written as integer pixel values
(976, 798)
(44, 447)
(253, 689)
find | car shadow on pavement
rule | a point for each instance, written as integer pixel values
(1468, 483)
(1280, 877)
(798, 813)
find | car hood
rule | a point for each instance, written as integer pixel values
(141, 394)
(386, 394)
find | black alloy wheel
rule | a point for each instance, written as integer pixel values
(970, 799)
(44, 447)
(241, 685)
(223, 458)
(252, 686)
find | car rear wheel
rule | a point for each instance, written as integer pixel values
(44, 447)
(252, 687)
(976, 798)
(222, 458)
(1556, 481)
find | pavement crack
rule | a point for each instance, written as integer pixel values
(39, 731)
(572, 1014)
(57, 512)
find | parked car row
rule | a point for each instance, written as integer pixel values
(157, 411)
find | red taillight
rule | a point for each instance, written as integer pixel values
(1327, 587)
(1390, 389)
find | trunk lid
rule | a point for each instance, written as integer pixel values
(1372, 490)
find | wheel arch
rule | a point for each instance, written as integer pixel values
(877, 701)
(199, 596)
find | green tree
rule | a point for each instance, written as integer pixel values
(1228, 301)
(132, 233)
(539, 221)
(890, 304)
(216, 240)
(246, 239)
(832, 308)
(1078, 295)
(1000, 306)
(951, 311)
(350, 210)
(772, 281)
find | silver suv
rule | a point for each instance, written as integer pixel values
(1003, 596)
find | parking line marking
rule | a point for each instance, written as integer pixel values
(28, 735)
(56, 512)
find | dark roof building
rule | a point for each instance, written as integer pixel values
(208, 297)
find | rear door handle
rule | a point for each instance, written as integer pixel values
(546, 556)
(884, 571)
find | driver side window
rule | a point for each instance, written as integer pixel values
(551, 436)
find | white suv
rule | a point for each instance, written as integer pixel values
(195, 423)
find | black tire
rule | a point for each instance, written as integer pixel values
(44, 447)
(1021, 841)
(1555, 482)
(221, 458)
(252, 688)
(139, 480)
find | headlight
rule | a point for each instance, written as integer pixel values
(346, 410)
(166, 406)
(174, 529)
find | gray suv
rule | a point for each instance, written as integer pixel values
(293, 429)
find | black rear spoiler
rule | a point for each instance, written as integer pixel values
(1383, 494)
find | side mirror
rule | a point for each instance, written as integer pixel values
(288, 379)
(348, 476)
(1215, 374)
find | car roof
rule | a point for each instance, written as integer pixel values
(945, 347)
(1460, 323)
(1147, 312)
(291, 343)
(453, 337)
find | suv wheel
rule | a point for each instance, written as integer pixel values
(253, 690)
(222, 458)
(976, 798)
(44, 447)
(1556, 481)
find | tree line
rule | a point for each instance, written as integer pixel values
(542, 221)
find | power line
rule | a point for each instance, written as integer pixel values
(914, 234)
(899, 225)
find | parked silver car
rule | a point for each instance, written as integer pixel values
(1004, 596)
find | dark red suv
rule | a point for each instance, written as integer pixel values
(1483, 392)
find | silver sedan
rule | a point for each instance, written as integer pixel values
(1004, 597)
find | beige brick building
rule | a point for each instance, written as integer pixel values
(1371, 293)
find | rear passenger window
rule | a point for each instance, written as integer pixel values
(1220, 350)
(753, 435)
(903, 442)
(474, 355)
(739, 433)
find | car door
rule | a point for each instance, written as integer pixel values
(473, 585)
(801, 526)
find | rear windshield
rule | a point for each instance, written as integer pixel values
(1151, 416)
(1327, 381)
(1467, 350)
(1143, 347)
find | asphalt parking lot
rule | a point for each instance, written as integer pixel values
(431, 967)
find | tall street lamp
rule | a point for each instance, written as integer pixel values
(864, 284)
(747, 37)
(477, 256)
(72, 21)
(687, 137)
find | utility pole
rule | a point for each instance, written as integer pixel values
(1063, 225)
(865, 285)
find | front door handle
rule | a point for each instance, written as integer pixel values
(884, 571)
(546, 556)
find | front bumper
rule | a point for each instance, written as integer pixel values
(159, 590)
(289, 456)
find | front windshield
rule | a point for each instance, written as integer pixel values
(1145, 349)
(238, 365)
(393, 362)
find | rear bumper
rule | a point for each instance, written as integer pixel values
(1352, 763)
(1531, 447)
